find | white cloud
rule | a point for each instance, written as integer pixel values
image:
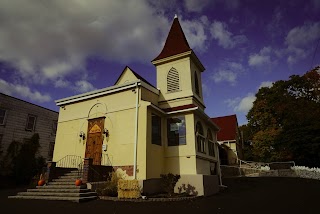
(267, 84)
(195, 33)
(219, 31)
(228, 72)
(225, 75)
(231, 4)
(49, 41)
(205, 89)
(245, 104)
(196, 5)
(242, 105)
(261, 58)
(60, 83)
(300, 41)
(303, 35)
(46, 40)
(23, 91)
(84, 86)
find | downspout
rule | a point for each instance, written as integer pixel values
(136, 133)
(220, 179)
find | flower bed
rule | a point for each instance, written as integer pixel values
(306, 172)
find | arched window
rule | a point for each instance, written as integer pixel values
(196, 83)
(201, 147)
(173, 80)
(210, 143)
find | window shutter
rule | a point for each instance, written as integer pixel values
(173, 80)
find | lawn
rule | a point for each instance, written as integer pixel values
(243, 195)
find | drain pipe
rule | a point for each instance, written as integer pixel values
(136, 133)
(218, 156)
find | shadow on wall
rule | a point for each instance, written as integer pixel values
(189, 189)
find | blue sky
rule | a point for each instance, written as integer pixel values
(54, 49)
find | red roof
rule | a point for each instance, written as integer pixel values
(176, 42)
(228, 127)
(178, 108)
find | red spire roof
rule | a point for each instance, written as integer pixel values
(176, 42)
(228, 127)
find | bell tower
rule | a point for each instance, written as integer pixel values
(178, 71)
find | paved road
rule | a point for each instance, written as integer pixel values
(244, 195)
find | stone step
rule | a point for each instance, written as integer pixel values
(61, 183)
(59, 190)
(73, 199)
(72, 173)
(71, 179)
(253, 175)
(73, 186)
(68, 177)
(61, 194)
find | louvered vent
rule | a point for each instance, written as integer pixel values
(173, 80)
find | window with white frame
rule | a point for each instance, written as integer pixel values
(173, 80)
(176, 131)
(201, 147)
(31, 122)
(210, 143)
(3, 114)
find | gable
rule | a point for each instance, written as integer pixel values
(126, 76)
(228, 127)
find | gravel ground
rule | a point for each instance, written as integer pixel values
(243, 195)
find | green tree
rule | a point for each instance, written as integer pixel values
(285, 119)
(22, 161)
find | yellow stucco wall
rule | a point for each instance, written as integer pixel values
(147, 95)
(155, 153)
(119, 111)
(181, 159)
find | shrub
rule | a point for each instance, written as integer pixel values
(168, 182)
(23, 163)
(110, 188)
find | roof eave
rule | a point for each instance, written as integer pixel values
(170, 58)
(96, 93)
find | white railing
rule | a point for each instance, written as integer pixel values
(105, 160)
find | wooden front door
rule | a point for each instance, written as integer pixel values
(95, 140)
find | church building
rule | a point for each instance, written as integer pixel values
(145, 130)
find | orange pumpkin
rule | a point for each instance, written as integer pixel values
(41, 182)
(78, 182)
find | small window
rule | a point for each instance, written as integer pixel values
(3, 113)
(50, 151)
(210, 143)
(156, 129)
(31, 123)
(176, 127)
(54, 127)
(196, 83)
(173, 80)
(201, 147)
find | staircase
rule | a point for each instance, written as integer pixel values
(63, 189)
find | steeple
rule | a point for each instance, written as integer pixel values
(178, 71)
(176, 41)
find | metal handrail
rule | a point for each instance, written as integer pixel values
(69, 161)
(105, 160)
(260, 164)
